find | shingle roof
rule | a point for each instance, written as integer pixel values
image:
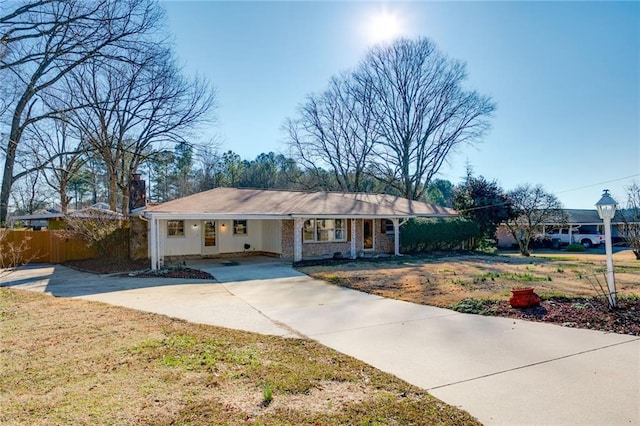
(244, 201)
(586, 216)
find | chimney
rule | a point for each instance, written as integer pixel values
(137, 192)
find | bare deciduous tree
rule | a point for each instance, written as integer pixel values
(398, 116)
(131, 106)
(44, 40)
(29, 195)
(336, 130)
(207, 158)
(629, 230)
(58, 154)
(14, 254)
(532, 208)
(421, 108)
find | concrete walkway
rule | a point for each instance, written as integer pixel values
(502, 371)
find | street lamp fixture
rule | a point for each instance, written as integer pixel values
(606, 210)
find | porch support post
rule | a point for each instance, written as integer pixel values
(353, 238)
(396, 236)
(297, 239)
(570, 234)
(153, 243)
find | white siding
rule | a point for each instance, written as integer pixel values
(176, 246)
(262, 235)
(230, 243)
(272, 236)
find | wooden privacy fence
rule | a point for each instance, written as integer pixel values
(48, 246)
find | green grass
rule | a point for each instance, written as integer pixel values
(267, 395)
(510, 277)
(475, 306)
(526, 277)
(337, 280)
(554, 294)
(488, 276)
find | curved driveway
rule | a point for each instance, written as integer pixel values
(500, 370)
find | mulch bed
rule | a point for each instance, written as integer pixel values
(177, 272)
(136, 268)
(109, 265)
(587, 313)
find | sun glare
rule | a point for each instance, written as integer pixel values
(384, 26)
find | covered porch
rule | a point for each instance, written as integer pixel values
(182, 236)
(172, 237)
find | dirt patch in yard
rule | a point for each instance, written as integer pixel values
(568, 283)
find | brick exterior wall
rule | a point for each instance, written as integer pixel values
(326, 249)
(287, 239)
(504, 237)
(383, 244)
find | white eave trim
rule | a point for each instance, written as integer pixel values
(275, 216)
(349, 216)
(211, 216)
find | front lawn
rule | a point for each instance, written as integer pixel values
(78, 362)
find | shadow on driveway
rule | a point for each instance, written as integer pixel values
(62, 281)
(245, 268)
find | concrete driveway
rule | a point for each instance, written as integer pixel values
(500, 370)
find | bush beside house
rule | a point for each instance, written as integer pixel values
(420, 235)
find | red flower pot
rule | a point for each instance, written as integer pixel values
(524, 298)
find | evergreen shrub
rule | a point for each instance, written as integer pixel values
(425, 234)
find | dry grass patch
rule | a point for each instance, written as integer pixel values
(79, 362)
(445, 281)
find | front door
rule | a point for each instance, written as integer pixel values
(368, 237)
(209, 237)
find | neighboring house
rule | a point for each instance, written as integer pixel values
(584, 220)
(53, 219)
(289, 224)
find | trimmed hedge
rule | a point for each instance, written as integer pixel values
(421, 234)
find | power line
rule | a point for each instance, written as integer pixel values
(599, 183)
(560, 192)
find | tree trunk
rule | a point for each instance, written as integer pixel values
(10, 159)
(113, 192)
(125, 198)
(64, 198)
(7, 179)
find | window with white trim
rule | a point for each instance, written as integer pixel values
(239, 227)
(309, 230)
(175, 228)
(324, 230)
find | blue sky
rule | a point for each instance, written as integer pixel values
(565, 77)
